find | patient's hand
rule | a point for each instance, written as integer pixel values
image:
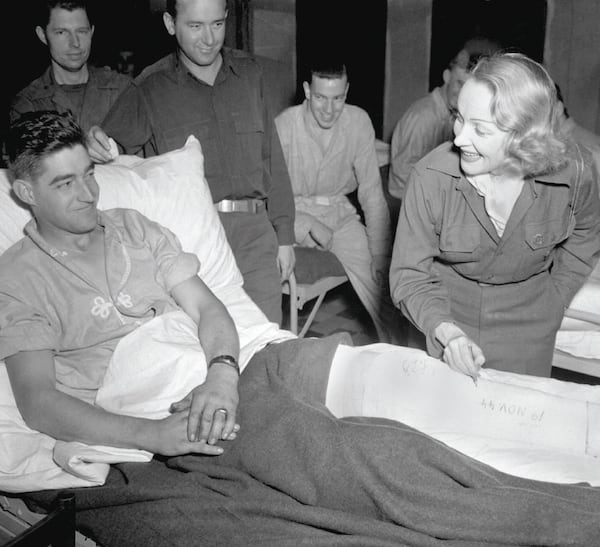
(170, 438)
(207, 423)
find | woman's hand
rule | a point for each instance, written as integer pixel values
(460, 352)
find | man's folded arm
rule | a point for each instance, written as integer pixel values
(61, 416)
(216, 329)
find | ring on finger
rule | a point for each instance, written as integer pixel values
(224, 410)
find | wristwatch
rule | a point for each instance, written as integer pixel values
(228, 360)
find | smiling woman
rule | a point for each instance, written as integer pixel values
(499, 229)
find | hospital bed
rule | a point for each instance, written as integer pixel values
(19, 526)
(578, 340)
(145, 187)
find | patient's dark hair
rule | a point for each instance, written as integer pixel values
(45, 7)
(35, 135)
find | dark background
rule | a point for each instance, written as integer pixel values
(517, 25)
(356, 29)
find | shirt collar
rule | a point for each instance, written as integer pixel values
(228, 65)
(32, 231)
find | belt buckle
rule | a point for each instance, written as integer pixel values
(249, 205)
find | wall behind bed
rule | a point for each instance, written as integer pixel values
(571, 49)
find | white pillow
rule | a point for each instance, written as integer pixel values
(171, 190)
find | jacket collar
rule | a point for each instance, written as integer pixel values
(49, 85)
(449, 164)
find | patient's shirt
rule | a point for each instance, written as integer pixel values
(47, 303)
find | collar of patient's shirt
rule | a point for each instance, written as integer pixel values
(181, 73)
(449, 164)
(32, 231)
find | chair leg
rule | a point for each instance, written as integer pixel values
(293, 303)
(311, 315)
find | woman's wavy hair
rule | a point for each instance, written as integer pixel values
(525, 103)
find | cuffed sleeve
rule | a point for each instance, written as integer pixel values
(280, 200)
(576, 257)
(415, 286)
(370, 191)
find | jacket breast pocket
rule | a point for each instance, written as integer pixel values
(460, 242)
(542, 237)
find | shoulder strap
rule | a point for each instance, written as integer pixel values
(577, 184)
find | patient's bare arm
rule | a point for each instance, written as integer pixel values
(45, 409)
(218, 336)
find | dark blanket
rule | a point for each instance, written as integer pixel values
(297, 476)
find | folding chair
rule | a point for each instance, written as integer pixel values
(316, 272)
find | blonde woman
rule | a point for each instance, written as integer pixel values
(499, 228)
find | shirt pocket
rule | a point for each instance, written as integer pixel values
(251, 148)
(542, 237)
(460, 243)
(246, 124)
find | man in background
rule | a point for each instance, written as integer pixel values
(428, 122)
(329, 148)
(218, 95)
(69, 84)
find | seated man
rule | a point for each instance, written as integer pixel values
(580, 134)
(113, 271)
(81, 280)
(69, 84)
(428, 122)
(329, 148)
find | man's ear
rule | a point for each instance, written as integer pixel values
(446, 75)
(169, 23)
(23, 190)
(306, 87)
(92, 28)
(41, 34)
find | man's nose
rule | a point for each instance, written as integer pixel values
(208, 36)
(74, 39)
(85, 192)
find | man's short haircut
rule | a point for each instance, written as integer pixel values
(473, 50)
(46, 7)
(36, 135)
(171, 8)
(329, 68)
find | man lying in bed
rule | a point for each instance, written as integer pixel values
(82, 279)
